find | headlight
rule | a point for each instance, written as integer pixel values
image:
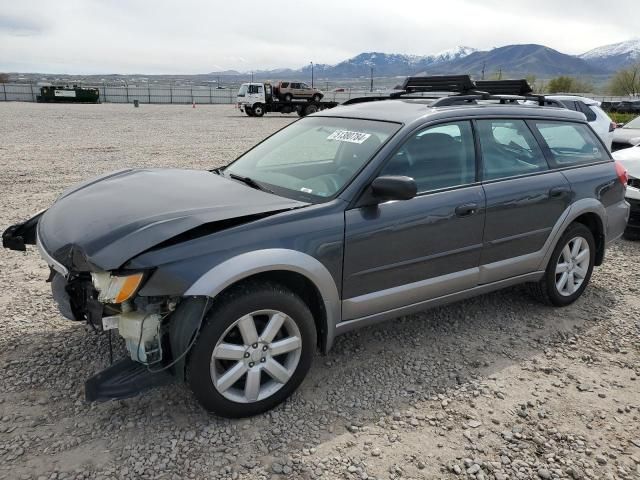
(116, 289)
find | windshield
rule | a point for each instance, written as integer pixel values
(635, 123)
(243, 90)
(314, 158)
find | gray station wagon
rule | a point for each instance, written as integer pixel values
(231, 279)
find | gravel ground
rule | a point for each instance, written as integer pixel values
(497, 387)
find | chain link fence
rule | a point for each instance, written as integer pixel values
(158, 94)
(170, 94)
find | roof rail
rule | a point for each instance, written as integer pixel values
(505, 87)
(504, 99)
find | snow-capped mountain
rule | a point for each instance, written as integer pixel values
(452, 54)
(383, 64)
(614, 56)
(388, 64)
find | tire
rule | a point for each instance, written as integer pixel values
(248, 111)
(631, 234)
(258, 110)
(209, 362)
(288, 97)
(317, 97)
(547, 290)
(309, 109)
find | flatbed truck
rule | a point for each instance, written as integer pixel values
(255, 99)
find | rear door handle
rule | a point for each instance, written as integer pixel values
(559, 191)
(466, 209)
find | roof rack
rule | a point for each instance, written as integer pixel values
(465, 90)
(504, 87)
(444, 83)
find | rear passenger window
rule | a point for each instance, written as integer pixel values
(509, 149)
(437, 157)
(571, 143)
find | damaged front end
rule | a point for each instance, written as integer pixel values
(107, 301)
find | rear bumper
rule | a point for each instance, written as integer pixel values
(617, 216)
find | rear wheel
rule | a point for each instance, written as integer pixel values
(248, 111)
(569, 269)
(309, 109)
(317, 97)
(253, 352)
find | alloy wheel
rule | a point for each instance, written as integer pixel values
(572, 266)
(247, 366)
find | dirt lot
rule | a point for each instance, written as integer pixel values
(495, 387)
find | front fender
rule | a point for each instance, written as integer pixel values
(273, 259)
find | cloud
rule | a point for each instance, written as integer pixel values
(18, 26)
(199, 36)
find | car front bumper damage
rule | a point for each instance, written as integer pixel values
(77, 300)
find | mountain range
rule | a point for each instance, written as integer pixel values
(527, 59)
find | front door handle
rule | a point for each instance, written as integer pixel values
(556, 192)
(466, 209)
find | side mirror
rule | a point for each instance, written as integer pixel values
(390, 187)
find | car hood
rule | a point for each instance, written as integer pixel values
(104, 222)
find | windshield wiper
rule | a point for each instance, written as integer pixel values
(250, 182)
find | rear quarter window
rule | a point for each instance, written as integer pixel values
(588, 112)
(571, 143)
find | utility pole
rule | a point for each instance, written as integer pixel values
(311, 74)
(251, 76)
(484, 64)
(371, 87)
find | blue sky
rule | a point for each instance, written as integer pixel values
(197, 36)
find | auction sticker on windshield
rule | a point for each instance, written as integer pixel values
(348, 136)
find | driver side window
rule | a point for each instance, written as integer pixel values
(509, 149)
(442, 156)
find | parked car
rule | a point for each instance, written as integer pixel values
(596, 116)
(287, 91)
(231, 279)
(623, 136)
(627, 106)
(630, 159)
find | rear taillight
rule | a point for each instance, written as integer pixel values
(623, 176)
(612, 126)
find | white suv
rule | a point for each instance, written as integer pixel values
(597, 118)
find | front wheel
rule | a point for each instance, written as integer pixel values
(253, 351)
(569, 269)
(317, 97)
(258, 110)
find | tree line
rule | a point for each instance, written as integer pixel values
(625, 82)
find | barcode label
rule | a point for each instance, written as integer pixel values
(347, 136)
